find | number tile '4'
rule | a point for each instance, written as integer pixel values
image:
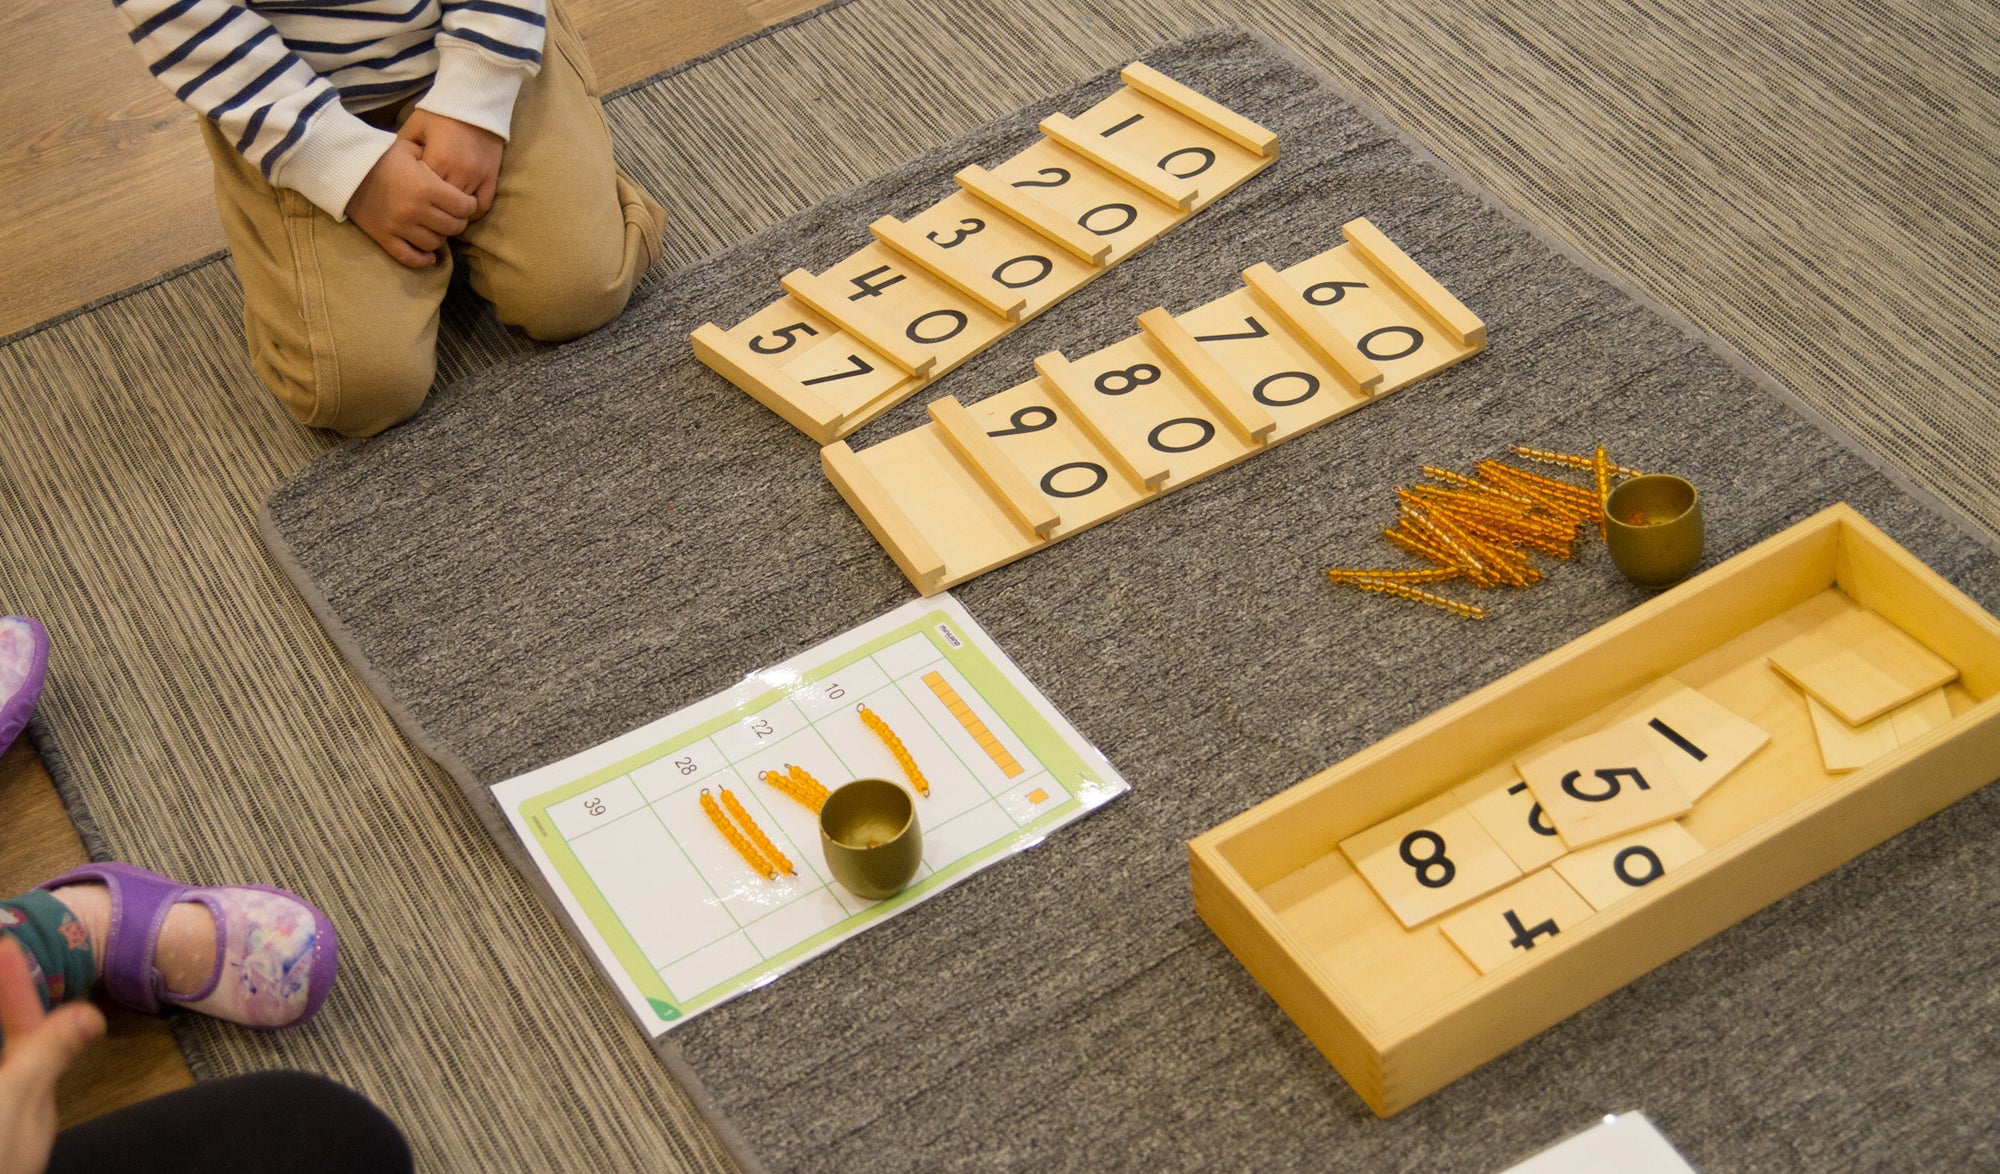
(1526, 916)
(1429, 860)
(1608, 873)
(1604, 785)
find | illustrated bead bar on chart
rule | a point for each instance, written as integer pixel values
(843, 346)
(1090, 438)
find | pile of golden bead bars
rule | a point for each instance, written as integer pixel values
(1482, 528)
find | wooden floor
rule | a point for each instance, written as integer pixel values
(103, 185)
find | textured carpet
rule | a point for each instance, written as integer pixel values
(1813, 181)
(560, 549)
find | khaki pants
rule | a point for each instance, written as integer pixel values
(346, 336)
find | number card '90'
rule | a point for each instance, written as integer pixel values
(843, 346)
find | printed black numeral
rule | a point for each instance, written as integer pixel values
(1121, 126)
(1256, 331)
(1097, 475)
(1611, 777)
(594, 806)
(1524, 938)
(1122, 382)
(685, 765)
(1262, 392)
(1206, 156)
(1061, 178)
(1367, 344)
(789, 333)
(1673, 735)
(873, 291)
(1435, 859)
(1326, 293)
(761, 727)
(959, 234)
(1204, 432)
(1538, 820)
(1032, 418)
(1654, 868)
(1125, 212)
(955, 319)
(1045, 265)
(861, 367)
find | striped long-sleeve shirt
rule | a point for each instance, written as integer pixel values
(286, 79)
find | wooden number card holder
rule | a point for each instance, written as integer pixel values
(843, 346)
(1404, 1002)
(1088, 439)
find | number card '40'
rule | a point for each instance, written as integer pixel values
(843, 346)
(1187, 396)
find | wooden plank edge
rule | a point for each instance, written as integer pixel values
(1297, 316)
(1223, 394)
(991, 296)
(1006, 483)
(1062, 131)
(1436, 302)
(869, 328)
(883, 517)
(1064, 386)
(1200, 108)
(1034, 214)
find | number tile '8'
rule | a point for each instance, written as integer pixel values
(1429, 860)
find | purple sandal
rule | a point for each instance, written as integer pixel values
(24, 660)
(271, 947)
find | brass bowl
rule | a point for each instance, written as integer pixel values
(1652, 525)
(868, 831)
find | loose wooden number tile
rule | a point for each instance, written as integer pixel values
(843, 346)
(1516, 921)
(1702, 740)
(1600, 786)
(1607, 873)
(1861, 666)
(1187, 396)
(1501, 802)
(1429, 860)
(1843, 747)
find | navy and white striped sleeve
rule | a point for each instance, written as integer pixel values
(233, 68)
(486, 50)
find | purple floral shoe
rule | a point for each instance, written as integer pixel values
(275, 954)
(24, 660)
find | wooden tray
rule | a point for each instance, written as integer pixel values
(1401, 1013)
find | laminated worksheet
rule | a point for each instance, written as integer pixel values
(685, 906)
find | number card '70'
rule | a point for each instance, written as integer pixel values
(843, 346)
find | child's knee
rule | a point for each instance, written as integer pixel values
(566, 304)
(366, 390)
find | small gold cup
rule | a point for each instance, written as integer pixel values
(868, 830)
(1653, 527)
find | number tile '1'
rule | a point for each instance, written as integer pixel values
(1526, 916)
(1429, 860)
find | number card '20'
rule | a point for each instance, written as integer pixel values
(843, 346)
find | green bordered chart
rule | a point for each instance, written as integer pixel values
(680, 921)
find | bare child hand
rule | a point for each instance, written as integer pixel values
(37, 1047)
(465, 156)
(406, 208)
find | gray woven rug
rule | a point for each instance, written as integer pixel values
(1814, 181)
(561, 549)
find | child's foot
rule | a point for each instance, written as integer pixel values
(24, 658)
(270, 965)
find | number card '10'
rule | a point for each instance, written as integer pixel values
(843, 346)
(1091, 438)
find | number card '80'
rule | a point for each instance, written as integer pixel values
(843, 346)
(1187, 396)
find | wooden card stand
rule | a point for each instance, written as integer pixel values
(1402, 1012)
(846, 345)
(1093, 437)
